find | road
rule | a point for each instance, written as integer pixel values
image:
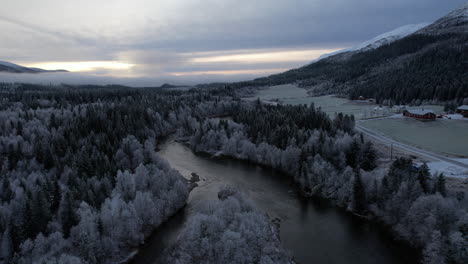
(415, 150)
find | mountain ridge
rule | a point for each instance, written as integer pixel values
(429, 64)
(382, 39)
(15, 68)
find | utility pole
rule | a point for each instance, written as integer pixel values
(391, 152)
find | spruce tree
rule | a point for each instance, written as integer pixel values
(6, 191)
(424, 177)
(353, 154)
(6, 246)
(68, 215)
(368, 157)
(439, 185)
(359, 195)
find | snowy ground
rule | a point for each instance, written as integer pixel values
(291, 94)
(330, 104)
(450, 167)
(456, 117)
(440, 136)
(449, 170)
(281, 92)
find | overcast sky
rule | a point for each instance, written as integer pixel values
(149, 41)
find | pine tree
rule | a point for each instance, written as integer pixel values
(41, 212)
(26, 228)
(368, 157)
(353, 154)
(359, 195)
(56, 196)
(439, 185)
(68, 215)
(6, 191)
(424, 177)
(6, 247)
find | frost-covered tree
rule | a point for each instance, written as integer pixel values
(229, 230)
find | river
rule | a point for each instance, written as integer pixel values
(313, 231)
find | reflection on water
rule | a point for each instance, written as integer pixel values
(313, 231)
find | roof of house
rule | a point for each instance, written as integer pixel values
(463, 107)
(420, 111)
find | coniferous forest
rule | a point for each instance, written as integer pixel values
(233, 132)
(82, 182)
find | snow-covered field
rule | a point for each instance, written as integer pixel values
(442, 136)
(330, 104)
(449, 170)
(291, 94)
(281, 92)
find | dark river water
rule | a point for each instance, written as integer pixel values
(313, 231)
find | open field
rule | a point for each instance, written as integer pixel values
(291, 94)
(285, 91)
(442, 136)
(330, 104)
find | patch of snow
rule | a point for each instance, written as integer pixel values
(396, 116)
(460, 13)
(389, 37)
(462, 161)
(380, 40)
(455, 116)
(324, 56)
(453, 22)
(449, 170)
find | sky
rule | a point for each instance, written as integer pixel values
(148, 42)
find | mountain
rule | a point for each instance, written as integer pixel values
(380, 40)
(455, 22)
(404, 65)
(14, 68)
(389, 37)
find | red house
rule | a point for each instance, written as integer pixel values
(420, 114)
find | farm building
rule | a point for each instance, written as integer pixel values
(420, 114)
(463, 110)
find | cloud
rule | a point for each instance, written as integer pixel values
(183, 78)
(164, 37)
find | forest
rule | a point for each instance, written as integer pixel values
(236, 233)
(82, 182)
(418, 67)
(327, 158)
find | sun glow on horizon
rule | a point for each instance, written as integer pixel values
(254, 62)
(83, 66)
(266, 56)
(229, 72)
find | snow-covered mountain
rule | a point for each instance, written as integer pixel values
(389, 37)
(380, 40)
(14, 68)
(454, 22)
(425, 62)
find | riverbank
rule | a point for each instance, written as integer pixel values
(312, 229)
(309, 196)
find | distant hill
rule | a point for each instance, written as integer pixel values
(168, 86)
(14, 68)
(428, 64)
